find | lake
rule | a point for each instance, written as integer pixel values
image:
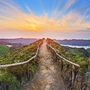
(76, 46)
(9, 45)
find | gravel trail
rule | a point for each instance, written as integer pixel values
(47, 76)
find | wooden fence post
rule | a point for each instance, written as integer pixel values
(73, 77)
(61, 65)
(55, 56)
(27, 72)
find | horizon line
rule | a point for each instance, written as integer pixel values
(47, 37)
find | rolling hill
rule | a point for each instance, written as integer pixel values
(13, 78)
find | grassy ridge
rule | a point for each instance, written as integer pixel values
(83, 62)
(14, 76)
(19, 55)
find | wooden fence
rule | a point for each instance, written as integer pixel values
(22, 63)
(68, 69)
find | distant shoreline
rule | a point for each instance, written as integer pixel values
(76, 46)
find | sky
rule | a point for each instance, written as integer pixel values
(58, 19)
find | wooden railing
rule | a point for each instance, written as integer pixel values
(68, 69)
(22, 63)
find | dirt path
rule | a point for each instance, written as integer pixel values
(47, 76)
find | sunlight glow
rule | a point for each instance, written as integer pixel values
(13, 17)
(22, 21)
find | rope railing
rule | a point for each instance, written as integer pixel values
(63, 62)
(77, 65)
(26, 73)
(16, 64)
(21, 63)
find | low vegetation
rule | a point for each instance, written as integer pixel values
(82, 52)
(83, 62)
(78, 58)
(4, 50)
(14, 77)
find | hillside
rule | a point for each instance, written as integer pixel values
(84, 72)
(4, 50)
(78, 51)
(13, 78)
(84, 62)
(6, 47)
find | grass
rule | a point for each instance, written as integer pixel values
(82, 61)
(88, 50)
(13, 76)
(10, 79)
(4, 50)
(77, 52)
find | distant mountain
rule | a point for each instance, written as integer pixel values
(74, 42)
(24, 41)
(4, 43)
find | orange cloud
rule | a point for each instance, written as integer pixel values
(12, 17)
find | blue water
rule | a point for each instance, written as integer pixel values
(76, 46)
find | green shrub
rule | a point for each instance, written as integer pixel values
(3, 50)
(13, 75)
(10, 79)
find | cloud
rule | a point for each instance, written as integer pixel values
(58, 13)
(69, 4)
(12, 17)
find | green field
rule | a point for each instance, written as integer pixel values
(4, 50)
